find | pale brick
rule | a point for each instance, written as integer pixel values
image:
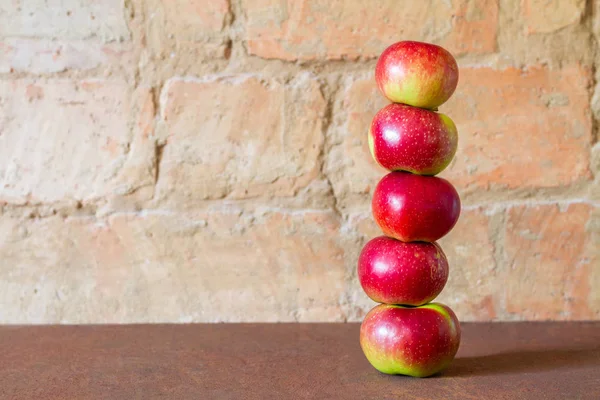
(552, 256)
(322, 29)
(364, 225)
(594, 188)
(521, 129)
(593, 230)
(474, 27)
(193, 19)
(62, 140)
(473, 289)
(64, 19)
(596, 21)
(349, 164)
(239, 137)
(135, 180)
(532, 33)
(48, 56)
(221, 266)
(544, 16)
(179, 32)
(357, 230)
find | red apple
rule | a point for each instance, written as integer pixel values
(415, 341)
(418, 74)
(412, 139)
(414, 208)
(394, 272)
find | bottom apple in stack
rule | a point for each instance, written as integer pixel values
(415, 341)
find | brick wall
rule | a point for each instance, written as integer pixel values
(206, 160)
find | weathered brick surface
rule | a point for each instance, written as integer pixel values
(517, 130)
(537, 31)
(180, 33)
(239, 137)
(200, 160)
(473, 288)
(45, 56)
(521, 129)
(224, 266)
(62, 139)
(594, 189)
(593, 283)
(44, 37)
(353, 171)
(64, 19)
(322, 29)
(543, 16)
(552, 262)
(42, 56)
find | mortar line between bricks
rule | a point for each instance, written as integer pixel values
(516, 203)
(235, 208)
(494, 207)
(224, 210)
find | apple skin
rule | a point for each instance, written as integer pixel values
(394, 272)
(414, 208)
(418, 74)
(412, 139)
(415, 341)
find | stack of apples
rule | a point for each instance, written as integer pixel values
(406, 269)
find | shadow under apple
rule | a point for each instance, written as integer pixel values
(515, 362)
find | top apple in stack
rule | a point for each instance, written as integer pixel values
(418, 74)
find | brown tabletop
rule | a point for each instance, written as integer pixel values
(289, 361)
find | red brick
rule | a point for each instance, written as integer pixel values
(321, 29)
(239, 137)
(552, 258)
(521, 129)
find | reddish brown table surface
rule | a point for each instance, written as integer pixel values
(289, 361)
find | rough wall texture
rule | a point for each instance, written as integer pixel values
(206, 160)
